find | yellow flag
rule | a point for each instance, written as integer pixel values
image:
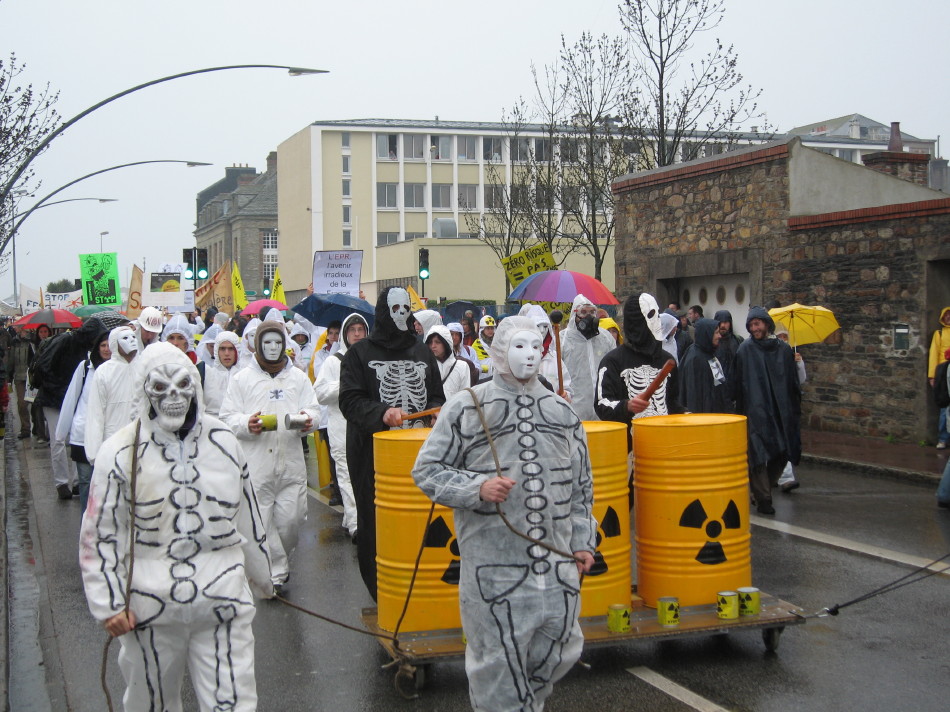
(237, 290)
(134, 307)
(415, 301)
(277, 290)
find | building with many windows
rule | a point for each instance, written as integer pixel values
(389, 187)
(237, 222)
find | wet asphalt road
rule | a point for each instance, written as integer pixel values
(888, 653)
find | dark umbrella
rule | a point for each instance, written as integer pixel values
(456, 310)
(322, 309)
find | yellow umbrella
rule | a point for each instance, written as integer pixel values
(806, 325)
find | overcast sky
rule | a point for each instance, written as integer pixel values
(814, 60)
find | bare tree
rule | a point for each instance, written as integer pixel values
(26, 117)
(593, 148)
(682, 103)
(504, 222)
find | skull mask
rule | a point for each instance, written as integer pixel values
(398, 300)
(651, 313)
(170, 390)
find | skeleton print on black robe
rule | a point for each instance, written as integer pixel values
(390, 368)
(629, 369)
(519, 601)
(198, 542)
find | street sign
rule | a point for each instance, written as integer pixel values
(250, 293)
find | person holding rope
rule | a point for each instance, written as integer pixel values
(180, 590)
(511, 456)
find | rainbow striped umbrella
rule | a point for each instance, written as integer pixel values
(558, 285)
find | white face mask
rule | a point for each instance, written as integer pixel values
(398, 301)
(128, 343)
(524, 355)
(651, 313)
(170, 390)
(272, 346)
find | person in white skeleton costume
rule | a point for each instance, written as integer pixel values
(519, 601)
(383, 378)
(199, 546)
(271, 385)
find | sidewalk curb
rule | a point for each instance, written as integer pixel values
(866, 468)
(5, 625)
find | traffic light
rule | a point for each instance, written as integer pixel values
(266, 291)
(201, 263)
(188, 259)
(423, 263)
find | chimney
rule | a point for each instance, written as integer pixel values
(854, 129)
(246, 178)
(272, 161)
(896, 162)
(895, 142)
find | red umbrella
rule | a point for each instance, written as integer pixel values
(255, 308)
(53, 318)
(558, 285)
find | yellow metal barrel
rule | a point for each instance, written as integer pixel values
(691, 490)
(401, 512)
(608, 582)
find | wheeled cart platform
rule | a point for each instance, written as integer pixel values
(417, 650)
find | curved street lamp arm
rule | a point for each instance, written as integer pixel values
(40, 203)
(294, 71)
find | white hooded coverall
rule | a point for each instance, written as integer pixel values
(110, 399)
(199, 543)
(519, 602)
(275, 458)
(582, 356)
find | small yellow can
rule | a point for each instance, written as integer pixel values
(268, 421)
(727, 605)
(668, 611)
(618, 618)
(749, 601)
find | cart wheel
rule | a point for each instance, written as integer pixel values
(770, 636)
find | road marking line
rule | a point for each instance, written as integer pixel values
(850, 545)
(320, 497)
(674, 690)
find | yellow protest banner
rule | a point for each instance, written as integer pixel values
(415, 301)
(134, 306)
(216, 292)
(237, 289)
(521, 265)
(277, 291)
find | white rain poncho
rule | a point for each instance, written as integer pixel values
(110, 400)
(275, 458)
(668, 324)
(217, 377)
(582, 356)
(199, 543)
(327, 389)
(205, 346)
(519, 602)
(455, 375)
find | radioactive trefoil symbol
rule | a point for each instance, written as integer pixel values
(439, 536)
(695, 517)
(609, 527)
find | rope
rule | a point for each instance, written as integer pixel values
(904, 580)
(494, 453)
(128, 582)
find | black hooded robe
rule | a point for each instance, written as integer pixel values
(388, 369)
(628, 370)
(699, 392)
(768, 393)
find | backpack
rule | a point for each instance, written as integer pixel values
(941, 388)
(38, 368)
(474, 372)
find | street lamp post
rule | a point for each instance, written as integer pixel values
(15, 176)
(100, 240)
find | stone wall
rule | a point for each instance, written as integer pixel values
(871, 266)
